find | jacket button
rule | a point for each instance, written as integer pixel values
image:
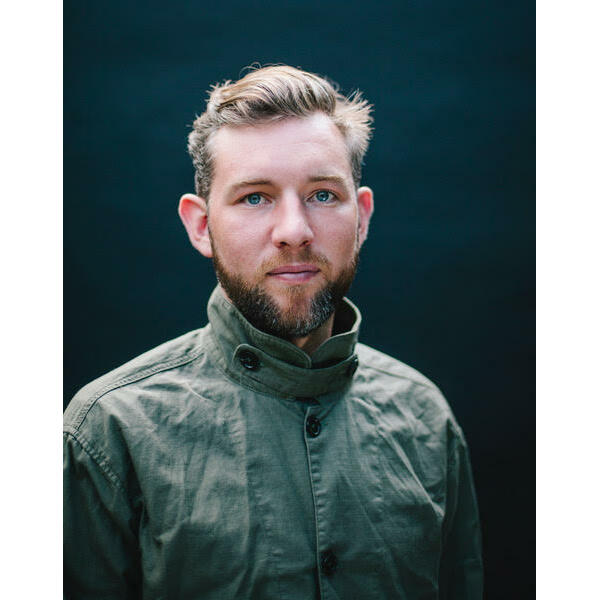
(328, 562)
(313, 426)
(352, 366)
(249, 360)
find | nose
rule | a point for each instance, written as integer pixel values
(291, 225)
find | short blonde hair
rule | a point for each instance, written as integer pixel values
(274, 93)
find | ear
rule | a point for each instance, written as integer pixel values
(193, 212)
(364, 196)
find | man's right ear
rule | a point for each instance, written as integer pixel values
(193, 212)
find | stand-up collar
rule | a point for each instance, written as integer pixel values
(272, 365)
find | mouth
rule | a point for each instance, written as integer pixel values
(295, 273)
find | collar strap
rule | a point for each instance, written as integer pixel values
(272, 365)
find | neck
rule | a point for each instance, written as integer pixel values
(314, 339)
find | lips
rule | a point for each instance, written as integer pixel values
(302, 268)
(294, 274)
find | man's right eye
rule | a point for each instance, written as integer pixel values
(253, 199)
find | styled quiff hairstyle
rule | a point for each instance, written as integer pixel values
(275, 93)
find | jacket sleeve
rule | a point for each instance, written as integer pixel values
(461, 569)
(101, 557)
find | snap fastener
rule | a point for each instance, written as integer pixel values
(329, 562)
(249, 360)
(352, 366)
(313, 426)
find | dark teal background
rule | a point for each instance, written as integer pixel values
(446, 280)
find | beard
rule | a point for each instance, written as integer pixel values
(302, 315)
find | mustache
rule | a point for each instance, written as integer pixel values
(286, 257)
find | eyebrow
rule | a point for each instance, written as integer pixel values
(248, 183)
(337, 179)
(313, 179)
(332, 178)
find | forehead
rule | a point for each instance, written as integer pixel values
(297, 147)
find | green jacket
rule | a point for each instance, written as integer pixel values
(228, 463)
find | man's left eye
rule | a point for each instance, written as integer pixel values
(323, 196)
(253, 199)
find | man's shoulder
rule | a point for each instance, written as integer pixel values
(386, 365)
(144, 371)
(390, 382)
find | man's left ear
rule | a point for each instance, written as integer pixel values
(364, 196)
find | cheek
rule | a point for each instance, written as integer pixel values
(236, 242)
(340, 236)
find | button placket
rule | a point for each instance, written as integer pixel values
(326, 560)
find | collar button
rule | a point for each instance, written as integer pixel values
(352, 366)
(313, 426)
(249, 360)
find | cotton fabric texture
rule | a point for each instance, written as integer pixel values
(229, 464)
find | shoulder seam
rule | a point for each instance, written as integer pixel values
(157, 368)
(413, 380)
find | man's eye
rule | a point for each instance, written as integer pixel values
(253, 199)
(323, 196)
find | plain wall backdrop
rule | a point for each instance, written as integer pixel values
(446, 278)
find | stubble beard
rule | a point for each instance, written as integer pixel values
(301, 315)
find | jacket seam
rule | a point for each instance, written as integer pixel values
(133, 378)
(430, 386)
(99, 459)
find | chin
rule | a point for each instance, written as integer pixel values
(295, 297)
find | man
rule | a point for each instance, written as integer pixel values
(269, 455)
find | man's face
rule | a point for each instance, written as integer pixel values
(285, 222)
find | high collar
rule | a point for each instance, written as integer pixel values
(272, 365)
